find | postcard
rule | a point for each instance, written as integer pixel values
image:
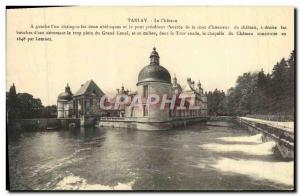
(154, 98)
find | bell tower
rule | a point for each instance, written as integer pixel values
(154, 57)
(68, 89)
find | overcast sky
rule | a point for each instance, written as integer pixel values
(44, 68)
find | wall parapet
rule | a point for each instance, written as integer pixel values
(283, 137)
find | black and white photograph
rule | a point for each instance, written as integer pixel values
(150, 98)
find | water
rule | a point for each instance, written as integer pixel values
(217, 156)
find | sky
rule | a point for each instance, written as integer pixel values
(44, 68)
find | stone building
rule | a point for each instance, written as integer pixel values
(86, 100)
(152, 79)
(111, 108)
(155, 79)
(176, 87)
(65, 103)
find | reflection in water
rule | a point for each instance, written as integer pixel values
(113, 159)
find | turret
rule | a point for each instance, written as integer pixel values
(154, 57)
(68, 89)
(176, 86)
(199, 88)
(174, 80)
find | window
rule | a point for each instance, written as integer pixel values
(145, 110)
(131, 113)
(145, 91)
(170, 112)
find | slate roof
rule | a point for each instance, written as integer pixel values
(65, 96)
(154, 72)
(89, 87)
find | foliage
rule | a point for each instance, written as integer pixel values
(24, 106)
(216, 103)
(12, 103)
(258, 93)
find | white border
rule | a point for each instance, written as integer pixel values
(155, 2)
(3, 3)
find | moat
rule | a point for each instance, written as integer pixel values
(214, 156)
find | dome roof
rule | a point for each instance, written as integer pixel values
(65, 96)
(154, 72)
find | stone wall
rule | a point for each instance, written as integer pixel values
(284, 140)
(87, 121)
(146, 125)
(38, 124)
(154, 111)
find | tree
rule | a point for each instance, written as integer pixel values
(47, 112)
(279, 86)
(216, 102)
(243, 94)
(290, 83)
(260, 93)
(12, 104)
(29, 107)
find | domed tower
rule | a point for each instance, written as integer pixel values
(176, 86)
(154, 72)
(199, 88)
(64, 103)
(154, 79)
